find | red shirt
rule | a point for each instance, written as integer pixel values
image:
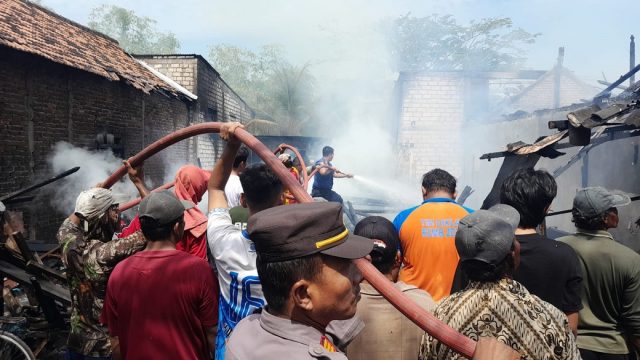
(190, 244)
(159, 304)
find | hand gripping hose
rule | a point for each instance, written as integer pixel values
(429, 323)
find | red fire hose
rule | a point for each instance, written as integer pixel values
(429, 323)
(281, 148)
(128, 205)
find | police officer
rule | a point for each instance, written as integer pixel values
(308, 279)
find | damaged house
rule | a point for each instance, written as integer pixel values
(590, 144)
(436, 111)
(458, 121)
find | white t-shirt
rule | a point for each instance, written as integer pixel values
(235, 258)
(232, 190)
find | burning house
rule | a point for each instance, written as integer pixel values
(62, 81)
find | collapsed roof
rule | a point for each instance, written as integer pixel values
(604, 114)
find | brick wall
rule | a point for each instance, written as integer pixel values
(431, 115)
(216, 100)
(42, 103)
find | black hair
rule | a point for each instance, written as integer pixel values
(327, 150)
(261, 187)
(154, 232)
(277, 278)
(241, 156)
(377, 227)
(590, 223)
(439, 180)
(530, 192)
(478, 270)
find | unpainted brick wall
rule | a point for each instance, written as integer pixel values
(66, 104)
(216, 100)
(432, 113)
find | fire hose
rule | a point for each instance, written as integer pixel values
(305, 177)
(128, 205)
(280, 149)
(429, 323)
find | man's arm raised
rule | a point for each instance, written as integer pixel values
(222, 168)
(136, 175)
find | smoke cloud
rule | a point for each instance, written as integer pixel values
(95, 167)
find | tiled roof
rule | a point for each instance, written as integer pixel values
(32, 29)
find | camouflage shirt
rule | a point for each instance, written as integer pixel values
(89, 263)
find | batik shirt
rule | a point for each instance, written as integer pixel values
(89, 263)
(507, 311)
(235, 258)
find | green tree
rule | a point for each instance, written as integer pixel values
(136, 34)
(274, 88)
(439, 43)
(292, 94)
(248, 72)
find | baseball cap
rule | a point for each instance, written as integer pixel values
(292, 231)
(163, 207)
(594, 201)
(384, 236)
(487, 235)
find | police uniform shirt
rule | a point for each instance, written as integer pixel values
(266, 336)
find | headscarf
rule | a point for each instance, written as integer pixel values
(191, 184)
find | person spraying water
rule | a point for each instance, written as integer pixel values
(323, 182)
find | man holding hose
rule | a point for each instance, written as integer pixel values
(323, 182)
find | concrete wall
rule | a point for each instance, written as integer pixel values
(42, 103)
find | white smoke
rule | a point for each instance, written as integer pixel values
(95, 167)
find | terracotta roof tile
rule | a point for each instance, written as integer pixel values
(30, 28)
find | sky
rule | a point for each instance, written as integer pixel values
(595, 34)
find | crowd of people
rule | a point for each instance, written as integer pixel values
(260, 277)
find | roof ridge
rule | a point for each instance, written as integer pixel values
(30, 28)
(67, 20)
